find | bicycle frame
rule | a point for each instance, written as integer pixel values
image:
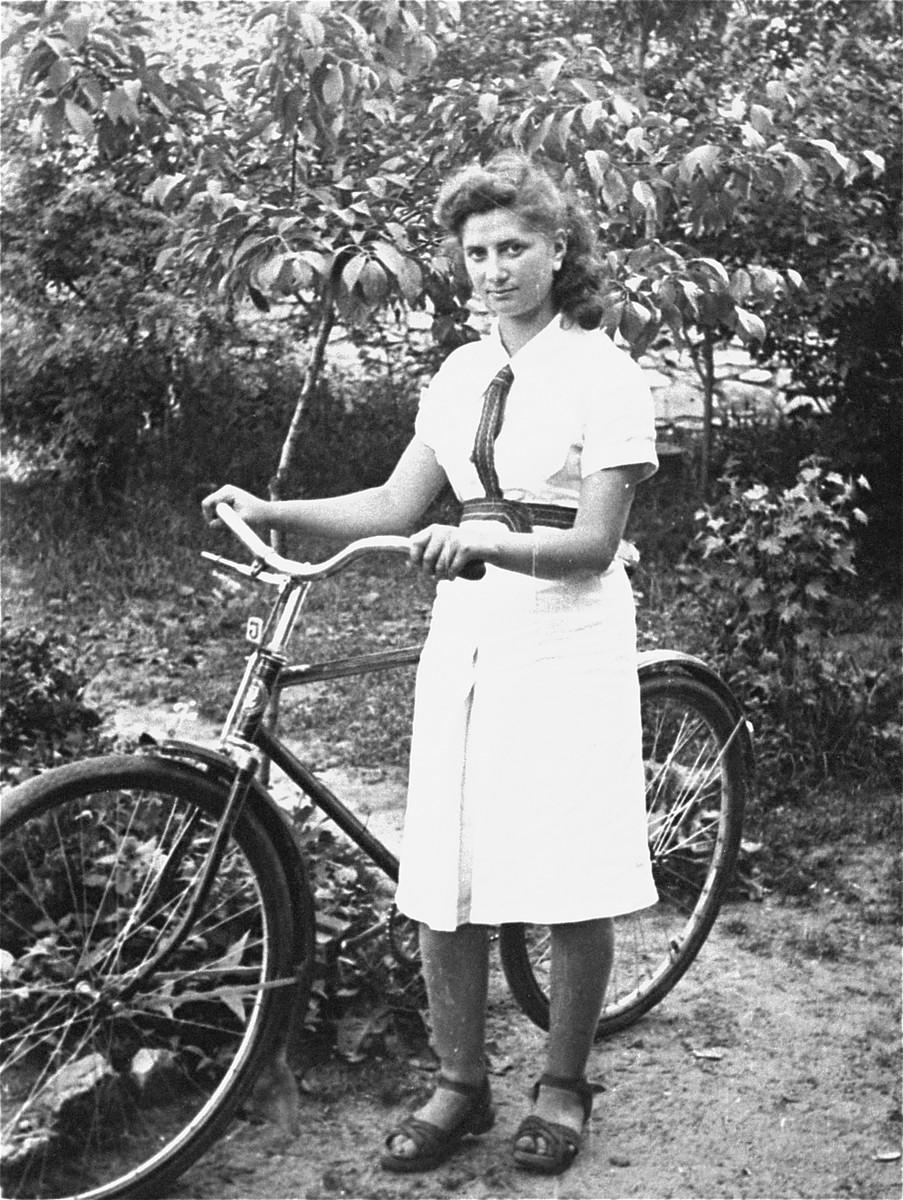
(266, 677)
(246, 738)
(323, 797)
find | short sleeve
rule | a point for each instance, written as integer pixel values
(426, 423)
(619, 421)
(441, 398)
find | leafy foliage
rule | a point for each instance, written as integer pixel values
(715, 142)
(363, 989)
(766, 579)
(44, 719)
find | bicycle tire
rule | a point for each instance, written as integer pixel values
(696, 785)
(109, 1094)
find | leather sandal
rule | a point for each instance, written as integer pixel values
(434, 1144)
(561, 1143)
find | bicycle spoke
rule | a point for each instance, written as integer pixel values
(102, 1082)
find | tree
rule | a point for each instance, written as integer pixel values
(304, 171)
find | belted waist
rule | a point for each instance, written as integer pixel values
(518, 516)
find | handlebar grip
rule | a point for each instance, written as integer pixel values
(475, 569)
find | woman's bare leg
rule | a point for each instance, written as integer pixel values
(456, 971)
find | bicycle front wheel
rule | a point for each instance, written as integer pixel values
(115, 1078)
(695, 792)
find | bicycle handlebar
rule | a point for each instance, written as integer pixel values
(311, 571)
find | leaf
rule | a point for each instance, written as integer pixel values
(351, 272)
(839, 163)
(548, 72)
(313, 27)
(410, 279)
(624, 110)
(58, 75)
(258, 299)
(79, 120)
(598, 162)
(751, 137)
(75, 30)
(704, 158)
(333, 86)
(741, 284)
(751, 328)
(488, 106)
(563, 128)
(389, 257)
(373, 282)
(644, 194)
(776, 90)
(614, 189)
(634, 320)
(590, 115)
(877, 162)
(233, 998)
(761, 119)
(713, 267)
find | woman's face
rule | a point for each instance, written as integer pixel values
(512, 266)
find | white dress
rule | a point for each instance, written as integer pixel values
(526, 798)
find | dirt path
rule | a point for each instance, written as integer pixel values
(767, 1073)
(773, 1070)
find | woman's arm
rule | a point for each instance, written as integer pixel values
(591, 545)
(394, 507)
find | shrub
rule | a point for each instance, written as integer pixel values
(44, 719)
(367, 984)
(768, 579)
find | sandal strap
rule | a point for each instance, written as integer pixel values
(579, 1087)
(473, 1090)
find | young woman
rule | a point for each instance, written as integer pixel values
(526, 784)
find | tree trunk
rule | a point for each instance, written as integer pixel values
(311, 376)
(286, 458)
(707, 373)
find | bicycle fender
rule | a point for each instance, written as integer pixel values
(213, 763)
(666, 664)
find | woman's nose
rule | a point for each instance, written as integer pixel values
(495, 268)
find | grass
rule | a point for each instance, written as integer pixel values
(154, 623)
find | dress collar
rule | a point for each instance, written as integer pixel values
(538, 345)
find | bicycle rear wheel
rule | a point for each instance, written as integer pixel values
(696, 783)
(114, 1083)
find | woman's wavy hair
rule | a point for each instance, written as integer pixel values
(514, 182)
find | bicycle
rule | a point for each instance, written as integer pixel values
(157, 928)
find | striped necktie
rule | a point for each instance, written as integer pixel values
(483, 456)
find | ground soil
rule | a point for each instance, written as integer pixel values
(772, 1070)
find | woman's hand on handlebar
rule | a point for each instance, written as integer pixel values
(445, 550)
(255, 512)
